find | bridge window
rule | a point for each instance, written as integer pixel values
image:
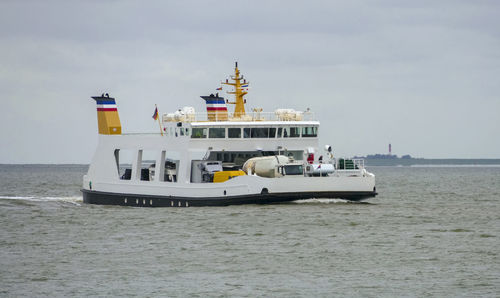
(234, 132)
(280, 132)
(260, 132)
(272, 132)
(199, 133)
(309, 131)
(291, 132)
(217, 132)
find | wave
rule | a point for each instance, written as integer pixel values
(456, 166)
(77, 200)
(321, 201)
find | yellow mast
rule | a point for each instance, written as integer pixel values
(239, 109)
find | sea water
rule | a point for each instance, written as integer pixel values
(431, 231)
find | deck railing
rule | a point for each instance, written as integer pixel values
(345, 164)
(142, 133)
(253, 116)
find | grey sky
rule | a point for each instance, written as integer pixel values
(423, 75)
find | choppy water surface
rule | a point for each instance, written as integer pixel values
(432, 231)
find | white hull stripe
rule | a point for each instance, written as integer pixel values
(106, 106)
(216, 105)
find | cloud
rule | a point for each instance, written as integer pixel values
(422, 75)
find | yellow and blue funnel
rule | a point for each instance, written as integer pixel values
(107, 115)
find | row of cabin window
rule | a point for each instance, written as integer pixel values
(177, 131)
(255, 132)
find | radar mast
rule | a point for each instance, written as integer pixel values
(239, 109)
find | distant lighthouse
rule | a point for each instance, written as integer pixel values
(390, 149)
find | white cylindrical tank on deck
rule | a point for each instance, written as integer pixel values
(264, 166)
(181, 115)
(189, 113)
(321, 169)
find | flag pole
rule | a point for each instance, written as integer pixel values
(159, 123)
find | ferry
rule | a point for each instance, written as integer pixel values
(218, 158)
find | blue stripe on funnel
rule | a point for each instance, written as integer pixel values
(215, 101)
(106, 102)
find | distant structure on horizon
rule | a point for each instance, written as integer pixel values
(385, 156)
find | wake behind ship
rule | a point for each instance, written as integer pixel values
(219, 158)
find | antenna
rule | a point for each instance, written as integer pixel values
(239, 109)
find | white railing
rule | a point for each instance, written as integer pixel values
(356, 164)
(249, 116)
(142, 133)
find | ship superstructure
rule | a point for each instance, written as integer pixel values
(219, 158)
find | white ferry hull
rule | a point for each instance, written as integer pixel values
(240, 190)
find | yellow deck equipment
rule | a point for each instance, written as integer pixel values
(226, 175)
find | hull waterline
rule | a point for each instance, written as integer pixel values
(138, 200)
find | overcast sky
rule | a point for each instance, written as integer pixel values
(422, 75)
